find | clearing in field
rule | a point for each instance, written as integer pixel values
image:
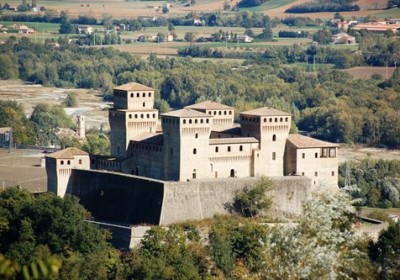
(366, 72)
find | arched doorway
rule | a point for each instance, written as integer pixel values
(232, 173)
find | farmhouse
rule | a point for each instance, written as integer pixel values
(245, 38)
(378, 27)
(343, 38)
(81, 29)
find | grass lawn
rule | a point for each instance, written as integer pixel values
(392, 13)
(367, 210)
(270, 5)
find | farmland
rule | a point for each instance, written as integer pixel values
(367, 72)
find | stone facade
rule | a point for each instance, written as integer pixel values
(201, 141)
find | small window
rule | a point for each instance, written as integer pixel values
(216, 149)
(229, 148)
(80, 161)
(265, 119)
(219, 112)
(207, 121)
(224, 112)
(302, 173)
(148, 116)
(184, 121)
(149, 94)
(303, 155)
(273, 156)
(196, 135)
(62, 162)
(332, 152)
(241, 148)
(143, 94)
(195, 121)
(270, 120)
(274, 137)
(190, 121)
(141, 116)
(324, 152)
(144, 104)
(137, 94)
(131, 94)
(316, 174)
(154, 115)
(194, 151)
(201, 120)
(333, 173)
(215, 112)
(286, 119)
(135, 116)
(316, 155)
(281, 119)
(230, 112)
(69, 162)
(276, 119)
(130, 116)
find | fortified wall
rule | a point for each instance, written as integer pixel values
(133, 200)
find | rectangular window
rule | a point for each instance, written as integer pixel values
(324, 152)
(316, 174)
(316, 155)
(332, 152)
(333, 173)
(302, 173)
(229, 148)
(273, 156)
(303, 155)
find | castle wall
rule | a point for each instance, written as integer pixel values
(199, 199)
(133, 200)
(147, 160)
(116, 197)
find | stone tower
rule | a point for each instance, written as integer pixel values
(186, 144)
(271, 127)
(132, 115)
(81, 127)
(59, 167)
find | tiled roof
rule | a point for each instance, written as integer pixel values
(185, 113)
(133, 87)
(67, 153)
(233, 140)
(301, 141)
(209, 105)
(266, 111)
(4, 129)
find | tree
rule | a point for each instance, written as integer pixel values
(386, 251)
(68, 236)
(266, 33)
(165, 10)
(171, 27)
(190, 37)
(70, 100)
(252, 201)
(8, 67)
(66, 26)
(96, 144)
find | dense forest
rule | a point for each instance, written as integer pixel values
(320, 245)
(375, 182)
(327, 104)
(324, 6)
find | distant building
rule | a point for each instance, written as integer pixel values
(377, 27)
(5, 136)
(343, 38)
(81, 29)
(245, 38)
(169, 38)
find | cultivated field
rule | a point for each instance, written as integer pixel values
(134, 9)
(366, 72)
(22, 168)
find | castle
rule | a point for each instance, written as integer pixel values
(189, 163)
(202, 141)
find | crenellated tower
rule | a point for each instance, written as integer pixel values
(132, 115)
(186, 136)
(271, 127)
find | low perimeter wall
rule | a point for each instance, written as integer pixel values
(134, 200)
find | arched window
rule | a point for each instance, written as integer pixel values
(216, 149)
(241, 148)
(232, 173)
(135, 116)
(286, 119)
(196, 135)
(137, 94)
(207, 121)
(281, 120)
(229, 148)
(143, 94)
(149, 94)
(190, 121)
(184, 121)
(194, 151)
(274, 137)
(62, 162)
(131, 94)
(130, 116)
(144, 104)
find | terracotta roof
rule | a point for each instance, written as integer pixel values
(185, 113)
(67, 153)
(4, 129)
(233, 140)
(133, 87)
(266, 111)
(209, 105)
(301, 141)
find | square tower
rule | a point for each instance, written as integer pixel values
(132, 115)
(271, 127)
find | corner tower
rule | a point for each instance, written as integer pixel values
(186, 144)
(132, 115)
(271, 127)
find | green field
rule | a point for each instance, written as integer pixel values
(38, 26)
(392, 13)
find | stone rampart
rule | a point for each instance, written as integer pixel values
(134, 200)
